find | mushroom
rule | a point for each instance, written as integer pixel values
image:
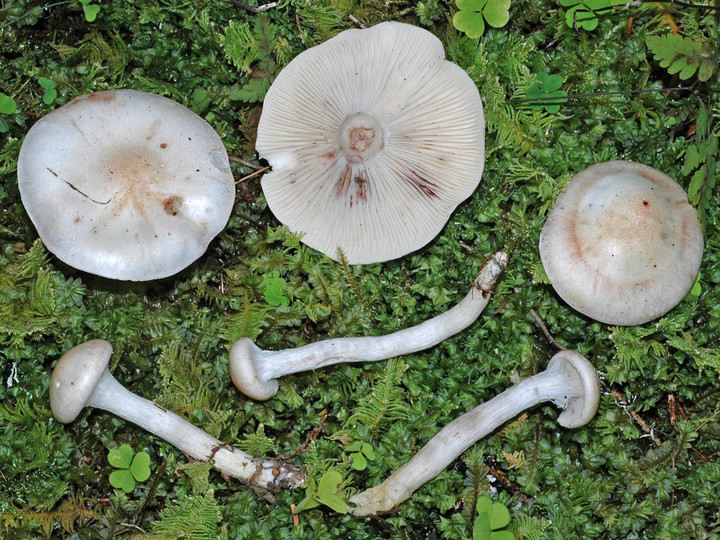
(374, 139)
(622, 244)
(255, 371)
(125, 184)
(570, 382)
(81, 379)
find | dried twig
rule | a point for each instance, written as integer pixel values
(259, 171)
(353, 19)
(246, 162)
(545, 330)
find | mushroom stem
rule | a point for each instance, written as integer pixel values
(255, 371)
(570, 382)
(78, 381)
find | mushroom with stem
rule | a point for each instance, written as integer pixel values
(81, 378)
(255, 371)
(570, 382)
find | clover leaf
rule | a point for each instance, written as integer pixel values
(361, 453)
(275, 289)
(130, 469)
(50, 90)
(491, 517)
(90, 10)
(474, 13)
(547, 86)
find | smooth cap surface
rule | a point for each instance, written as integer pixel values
(75, 377)
(622, 243)
(126, 185)
(583, 388)
(374, 139)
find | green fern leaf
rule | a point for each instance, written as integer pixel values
(683, 56)
(385, 402)
(192, 517)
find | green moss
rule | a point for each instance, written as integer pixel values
(609, 479)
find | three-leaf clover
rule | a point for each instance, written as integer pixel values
(474, 13)
(324, 492)
(130, 469)
(491, 517)
(90, 10)
(547, 86)
(361, 453)
(274, 291)
(50, 90)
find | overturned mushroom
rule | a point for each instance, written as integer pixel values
(622, 244)
(255, 371)
(570, 382)
(125, 184)
(81, 379)
(374, 139)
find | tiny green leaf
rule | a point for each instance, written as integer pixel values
(470, 22)
(497, 13)
(359, 463)
(140, 467)
(121, 457)
(274, 289)
(354, 447)
(368, 451)
(91, 11)
(122, 479)
(47, 84)
(7, 104)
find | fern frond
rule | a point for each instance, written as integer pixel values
(385, 401)
(683, 56)
(192, 517)
(257, 444)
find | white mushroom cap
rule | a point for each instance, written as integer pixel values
(125, 184)
(76, 376)
(622, 244)
(374, 139)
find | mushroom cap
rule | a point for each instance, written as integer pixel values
(622, 243)
(374, 139)
(75, 377)
(125, 184)
(243, 358)
(584, 391)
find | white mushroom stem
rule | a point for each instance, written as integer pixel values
(570, 382)
(81, 378)
(255, 371)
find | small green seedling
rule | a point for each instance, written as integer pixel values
(50, 90)
(474, 13)
(325, 492)
(90, 10)
(360, 454)
(547, 86)
(130, 469)
(275, 289)
(491, 517)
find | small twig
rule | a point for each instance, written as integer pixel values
(635, 416)
(259, 171)
(672, 2)
(252, 9)
(297, 22)
(353, 19)
(545, 330)
(314, 432)
(246, 162)
(132, 526)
